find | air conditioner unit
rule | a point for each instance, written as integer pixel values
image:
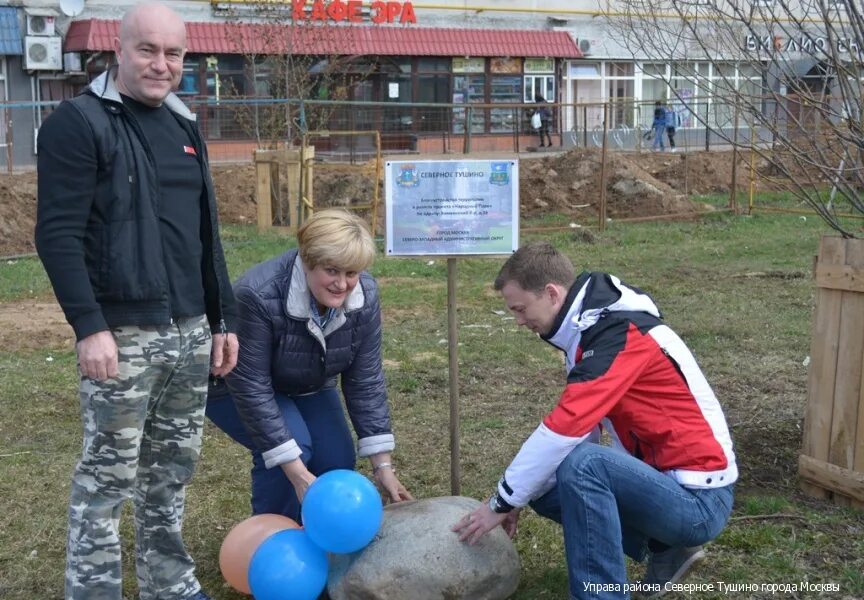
(43, 53)
(40, 25)
(585, 47)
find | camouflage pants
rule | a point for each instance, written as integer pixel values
(142, 438)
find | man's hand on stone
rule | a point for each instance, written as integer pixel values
(473, 526)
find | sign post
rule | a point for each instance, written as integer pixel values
(452, 209)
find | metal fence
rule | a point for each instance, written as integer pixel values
(233, 128)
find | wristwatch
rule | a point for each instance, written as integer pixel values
(497, 504)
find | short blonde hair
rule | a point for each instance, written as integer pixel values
(336, 238)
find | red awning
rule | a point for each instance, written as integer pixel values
(249, 38)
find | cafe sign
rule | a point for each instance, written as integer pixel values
(333, 11)
(351, 11)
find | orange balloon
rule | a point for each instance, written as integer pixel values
(242, 541)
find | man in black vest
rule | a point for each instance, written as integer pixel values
(128, 234)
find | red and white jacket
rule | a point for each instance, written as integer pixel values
(632, 375)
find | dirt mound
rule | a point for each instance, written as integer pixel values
(638, 185)
(235, 193)
(694, 173)
(569, 183)
(17, 213)
(235, 187)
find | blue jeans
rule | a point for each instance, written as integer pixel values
(317, 423)
(612, 504)
(659, 130)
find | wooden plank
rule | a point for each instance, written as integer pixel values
(837, 277)
(823, 356)
(823, 362)
(308, 181)
(262, 195)
(847, 388)
(292, 170)
(828, 476)
(858, 460)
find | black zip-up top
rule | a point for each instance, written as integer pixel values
(98, 231)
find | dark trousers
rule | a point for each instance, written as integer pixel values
(670, 131)
(611, 504)
(317, 423)
(544, 129)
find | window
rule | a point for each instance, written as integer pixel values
(654, 69)
(433, 86)
(619, 69)
(224, 76)
(395, 88)
(469, 89)
(620, 90)
(654, 86)
(231, 71)
(53, 88)
(504, 89)
(433, 65)
(190, 81)
(581, 70)
(539, 84)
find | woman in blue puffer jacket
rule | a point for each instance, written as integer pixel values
(306, 319)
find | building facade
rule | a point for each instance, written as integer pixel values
(442, 59)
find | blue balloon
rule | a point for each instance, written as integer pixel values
(288, 566)
(342, 511)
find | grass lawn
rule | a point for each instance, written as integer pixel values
(737, 288)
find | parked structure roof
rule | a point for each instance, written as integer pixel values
(253, 38)
(10, 31)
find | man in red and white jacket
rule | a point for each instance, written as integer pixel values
(665, 485)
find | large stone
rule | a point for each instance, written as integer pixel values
(415, 556)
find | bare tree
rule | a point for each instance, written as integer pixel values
(295, 69)
(790, 71)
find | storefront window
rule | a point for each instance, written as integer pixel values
(433, 86)
(232, 76)
(654, 89)
(689, 93)
(190, 81)
(654, 69)
(504, 89)
(403, 64)
(396, 88)
(539, 84)
(621, 91)
(433, 65)
(262, 77)
(620, 69)
(590, 71)
(470, 89)
(225, 76)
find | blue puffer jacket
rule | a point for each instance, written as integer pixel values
(283, 350)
